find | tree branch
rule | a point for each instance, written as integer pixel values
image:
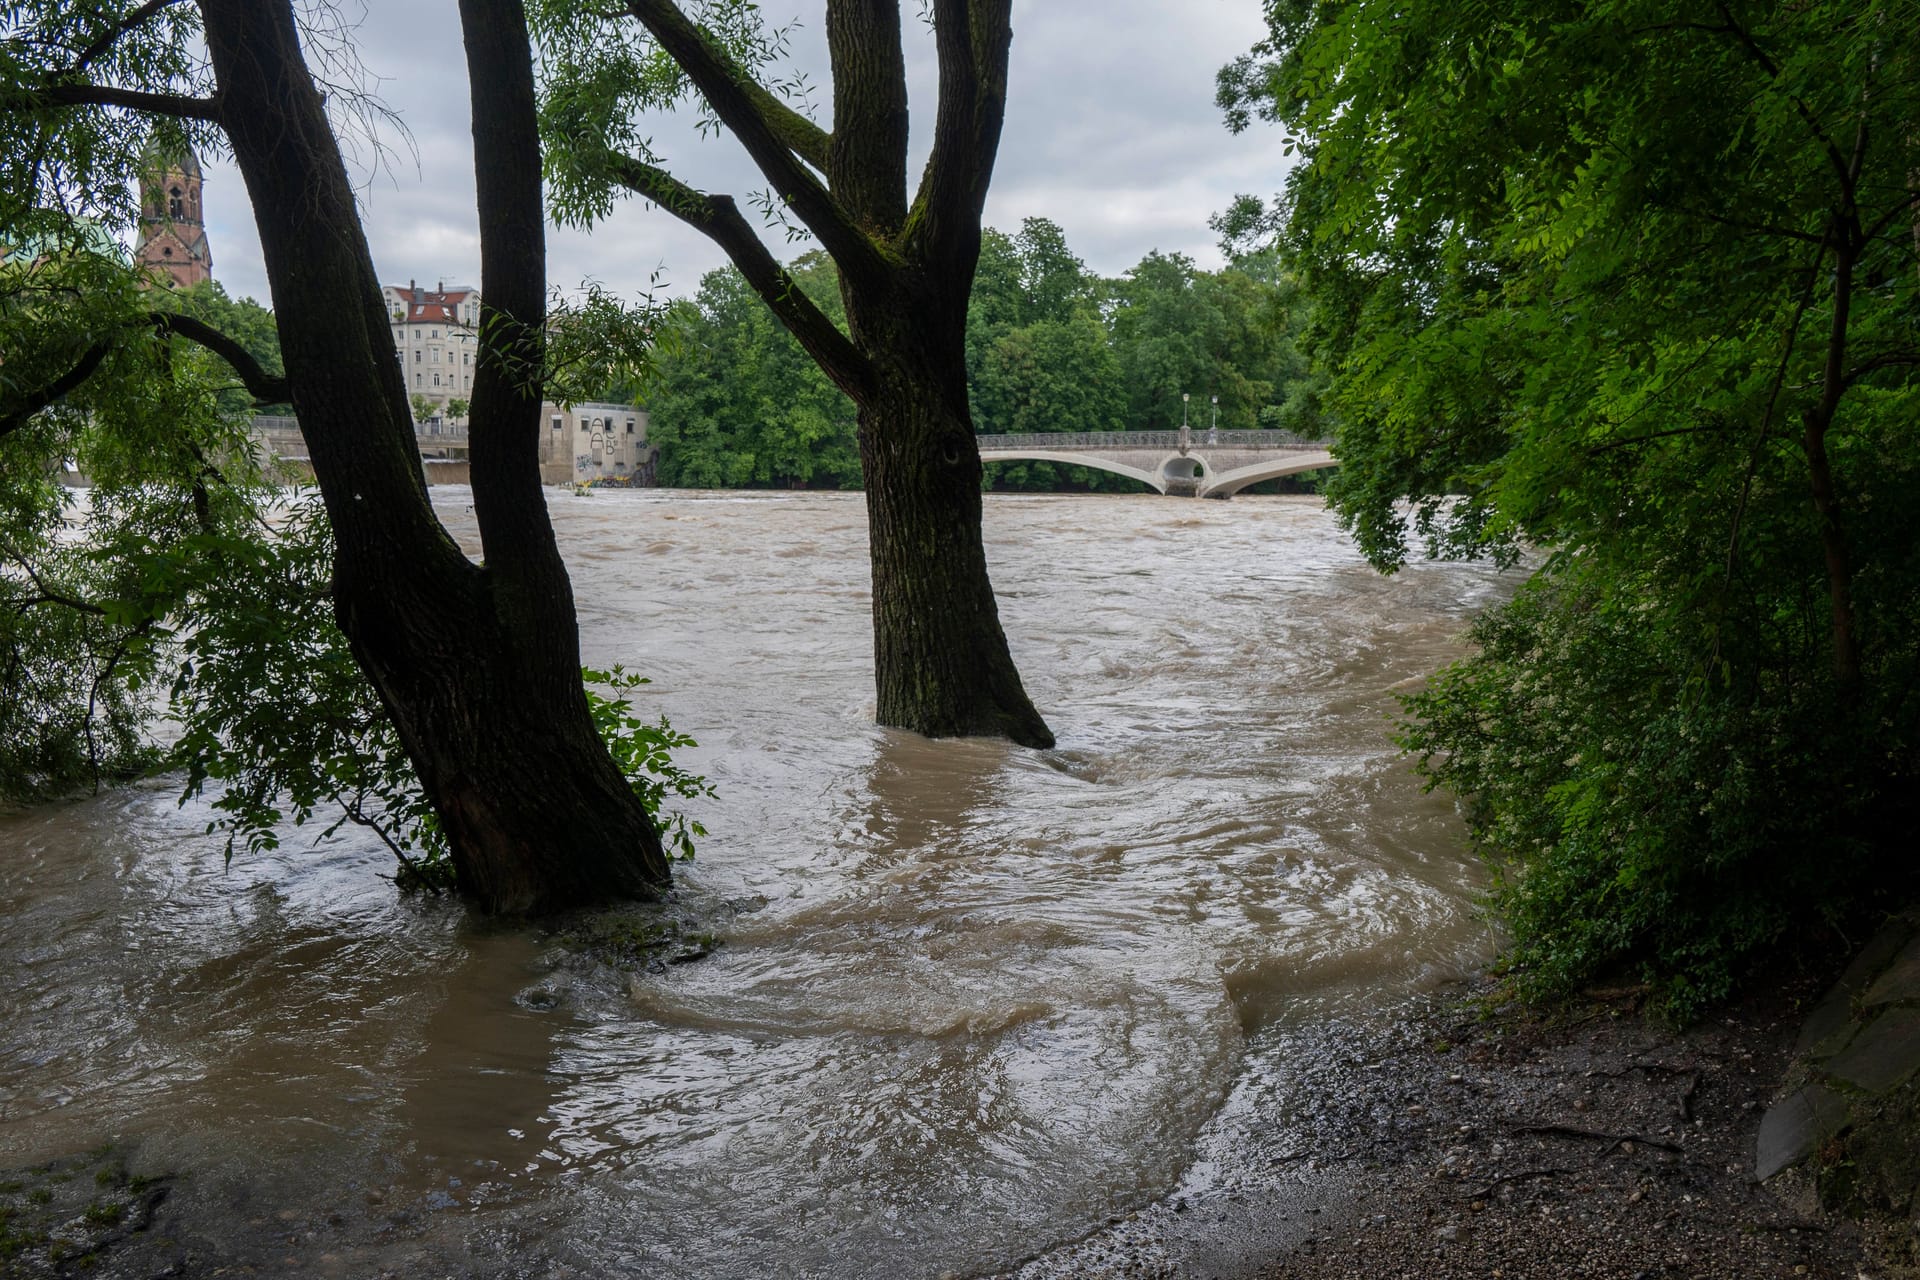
(719, 219)
(1887, 219)
(101, 95)
(264, 387)
(1887, 360)
(867, 163)
(50, 596)
(106, 40)
(805, 138)
(724, 84)
(972, 38)
(13, 419)
(1746, 39)
(1740, 224)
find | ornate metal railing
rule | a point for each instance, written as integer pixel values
(1107, 441)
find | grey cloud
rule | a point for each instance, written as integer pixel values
(1110, 131)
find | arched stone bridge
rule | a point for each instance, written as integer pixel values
(1186, 463)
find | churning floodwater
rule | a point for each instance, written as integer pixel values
(970, 1000)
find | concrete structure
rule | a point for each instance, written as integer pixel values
(1843, 1132)
(596, 443)
(1186, 463)
(173, 238)
(581, 444)
(436, 333)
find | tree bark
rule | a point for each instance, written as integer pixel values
(942, 666)
(941, 663)
(479, 667)
(1813, 443)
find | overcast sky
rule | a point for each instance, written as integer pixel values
(1111, 132)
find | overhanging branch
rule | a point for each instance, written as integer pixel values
(108, 38)
(101, 95)
(264, 387)
(731, 92)
(719, 219)
(14, 418)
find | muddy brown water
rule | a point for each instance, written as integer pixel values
(972, 1000)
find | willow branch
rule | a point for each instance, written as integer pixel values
(16, 417)
(972, 39)
(868, 164)
(103, 95)
(108, 38)
(264, 387)
(802, 136)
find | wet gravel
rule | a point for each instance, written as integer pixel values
(1463, 1137)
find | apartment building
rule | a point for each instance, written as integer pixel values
(436, 333)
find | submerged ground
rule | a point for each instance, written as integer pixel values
(970, 1003)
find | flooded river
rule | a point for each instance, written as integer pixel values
(971, 1000)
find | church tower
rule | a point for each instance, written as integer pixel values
(173, 239)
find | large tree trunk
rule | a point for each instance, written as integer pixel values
(478, 667)
(941, 662)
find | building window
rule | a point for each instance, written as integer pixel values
(417, 357)
(629, 426)
(416, 379)
(175, 207)
(433, 333)
(583, 426)
(436, 379)
(556, 422)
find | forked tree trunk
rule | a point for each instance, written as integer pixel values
(941, 662)
(479, 667)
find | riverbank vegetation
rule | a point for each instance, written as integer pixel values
(1634, 286)
(1050, 347)
(475, 666)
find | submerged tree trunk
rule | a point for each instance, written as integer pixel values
(479, 667)
(942, 666)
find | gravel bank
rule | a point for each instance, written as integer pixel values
(1463, 1139)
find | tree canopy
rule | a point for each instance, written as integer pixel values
(1634, 286)
(1050, 347)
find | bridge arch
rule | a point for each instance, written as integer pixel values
(1210, 464)
(1091, 461)
(1227, 483)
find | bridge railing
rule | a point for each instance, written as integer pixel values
(1111, 440)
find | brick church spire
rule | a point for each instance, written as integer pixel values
(173, 238)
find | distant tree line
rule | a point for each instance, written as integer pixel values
(1051, 347)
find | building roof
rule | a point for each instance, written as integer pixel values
(184, 162)
(431, 306)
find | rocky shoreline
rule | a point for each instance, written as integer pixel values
(1467, 1137)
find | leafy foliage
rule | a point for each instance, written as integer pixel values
(735, 402)
(275, 711)
(1636, 286)
(90, 582)
(643, 750)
